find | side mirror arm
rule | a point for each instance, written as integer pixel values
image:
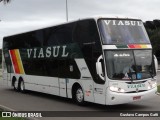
(156, 63)
(99, 68)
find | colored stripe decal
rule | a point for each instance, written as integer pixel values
(144, 46)
(139, 46)
(19, 61)
(121, 46)
(16, 61)
(130, 46)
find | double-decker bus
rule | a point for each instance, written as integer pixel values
(105, 60)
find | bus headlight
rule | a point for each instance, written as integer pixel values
(116, 89)
(152, 84)
(149, 87)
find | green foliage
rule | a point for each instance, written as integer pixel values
(158, 88)
(154, 35)
(0, 58)
(5, 1)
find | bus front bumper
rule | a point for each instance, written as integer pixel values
(114, 98)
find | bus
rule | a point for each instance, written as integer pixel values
(104, 60)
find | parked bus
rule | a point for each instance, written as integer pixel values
(105, 60)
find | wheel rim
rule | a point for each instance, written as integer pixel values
(22, 85)
(79, 95)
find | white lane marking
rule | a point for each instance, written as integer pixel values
(6, 108)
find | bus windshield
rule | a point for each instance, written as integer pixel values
(122, 32)
(129, 64)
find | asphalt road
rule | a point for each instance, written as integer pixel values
(34, 101)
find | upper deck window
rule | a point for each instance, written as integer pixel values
(122, 32)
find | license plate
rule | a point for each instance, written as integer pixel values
(136, 97)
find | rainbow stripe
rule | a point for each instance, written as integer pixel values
(138, 46)
(129, 46)
(16, 61)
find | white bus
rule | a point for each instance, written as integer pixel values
(105, 60)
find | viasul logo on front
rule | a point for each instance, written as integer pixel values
(136, 85)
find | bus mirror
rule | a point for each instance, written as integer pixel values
(156, 63)
(99, 67)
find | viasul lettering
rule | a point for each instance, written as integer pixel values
(55, 51)
(136, 85)
(123, 23)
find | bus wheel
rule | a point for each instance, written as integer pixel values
(15, 85)
(21, 86)
(79, 96)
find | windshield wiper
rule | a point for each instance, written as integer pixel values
(130, 76)
(151, 74)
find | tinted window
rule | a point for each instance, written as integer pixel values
(130, 64)
(123, 31)
(60, 35)
(68, 69)
(87, 37)
(8, 61)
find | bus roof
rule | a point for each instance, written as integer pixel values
(95, 17)
(112, 16)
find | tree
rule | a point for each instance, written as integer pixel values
(153, 30)
(5, 1)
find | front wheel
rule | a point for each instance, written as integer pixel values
(79, 96)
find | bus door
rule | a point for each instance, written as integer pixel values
(63, 77)
(63, 87)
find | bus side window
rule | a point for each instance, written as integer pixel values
(61, 35)
(68, 69)
(7, 64)
(87, 37)
(51, 67)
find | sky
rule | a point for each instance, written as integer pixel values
(25, 15)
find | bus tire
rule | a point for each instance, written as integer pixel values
(21, 86)
(78, 95)
(15, 84)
